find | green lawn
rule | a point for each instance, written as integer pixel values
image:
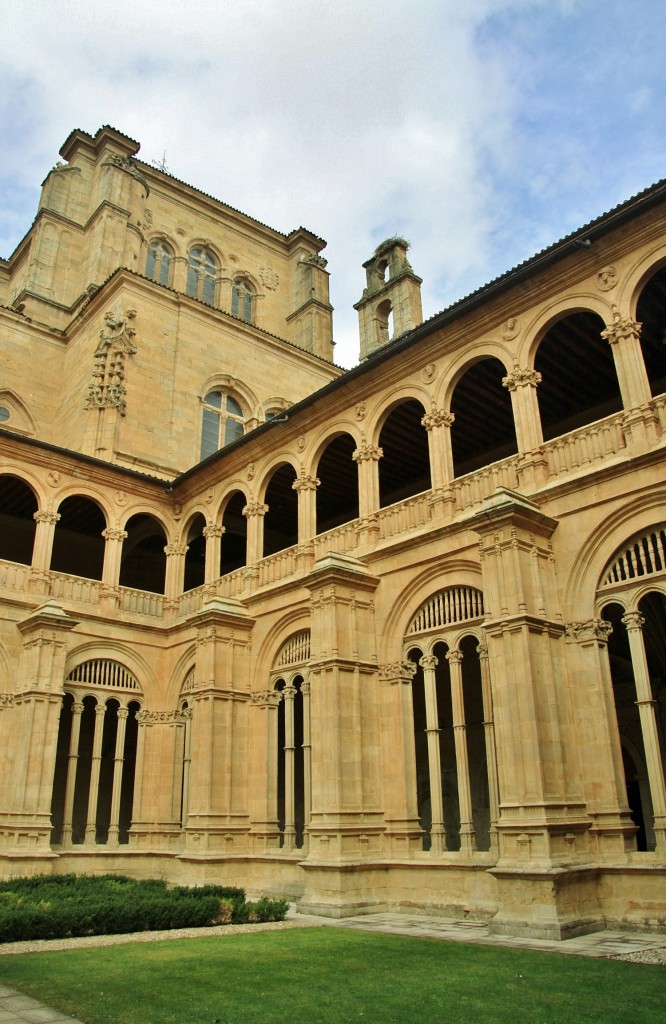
(328, 976)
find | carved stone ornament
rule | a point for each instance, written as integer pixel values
(314, 260)
(633, 620)
(107, 388)
(148, 217)
(53, 478)
(607, 278)
(454, 657)
(437, 418)
(303, 482)
(212, 530)
(510, 328)
(429, 661)
(428, 372)
(158, 717)
(398, 672)
(300, 443)
(46, 516)
(121, 497)
(250, 474)
(125, 163)
(6, 700)
(175, 549)
(621, 328)
(360, 410)
(210, 494)
(367, 452)
(255, 508)
(269, 278)
(520, 378)
(592, 629)
(114, 533)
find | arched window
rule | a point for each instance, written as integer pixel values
(93, 782)
(78, 544)
(159, 261)
(293, 741)
(201, 275)
(143, 560)
(222, 422)
(242, 300)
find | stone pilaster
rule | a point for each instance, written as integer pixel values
(265, 833)
(162, 753)
(25, 821)
(403, 831)
(347, 821)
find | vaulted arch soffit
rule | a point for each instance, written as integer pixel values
(325, 437)
(635, 280)
(141, 508)
(89, 493)
(36, 485)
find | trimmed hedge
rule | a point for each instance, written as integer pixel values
(61, 906)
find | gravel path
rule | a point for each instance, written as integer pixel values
(49, 945)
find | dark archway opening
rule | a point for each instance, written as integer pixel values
(233, 551)
(143, 561)
(483, 431)
(404, 469)
(78, 545)
(18, 505)
(579, 384)
(195, 557)
(651, 313)
(337, 494)
(281, 520)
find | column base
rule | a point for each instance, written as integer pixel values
(555, 903)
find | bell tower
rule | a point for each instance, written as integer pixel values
(391, 300)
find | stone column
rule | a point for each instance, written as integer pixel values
(467, 833)
(175, 570)
(522, 384)
(437, 829)
(72, 764)
(213, 534)
(161, 780)
(29, 761)
(288, 695)
(254, 512)
(403, 831)
(307, 763)
(438, 423)
(634, 622)
(118, 767)
(306, 486)
(96, 763)
(601, 751)
(640, 420)
(491, 753)
(41, 553)
(113, 550)
(367, 456)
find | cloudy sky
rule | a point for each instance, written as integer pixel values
(481, 130)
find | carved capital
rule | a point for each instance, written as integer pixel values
(6, 700)
(437, 418)
(113, 533)
(255, 508)
(592, 629)
(176, 549)
(266, 698)
(633, 620)
(367, 452)
(482, 650)
(303, 482)
(398, 672)
(521, 378)
(429, 661)
(212, 530)
(43, 516)
(454, 657)
(621, 328)
(158, 717)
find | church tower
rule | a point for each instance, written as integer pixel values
(391, 300)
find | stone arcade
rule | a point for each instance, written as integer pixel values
(389, 638)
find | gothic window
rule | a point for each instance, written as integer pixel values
(222, 422)
(201, 275)
(159, 261)
(242, 300)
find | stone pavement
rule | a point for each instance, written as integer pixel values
(19, 1009)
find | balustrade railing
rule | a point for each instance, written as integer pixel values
(581, 448)
(141, 602)
(13, 576)
(405, 515)
(339, 541)
(75, 589)
(278, 566)
(474, 488)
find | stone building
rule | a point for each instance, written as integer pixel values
(394, 637)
